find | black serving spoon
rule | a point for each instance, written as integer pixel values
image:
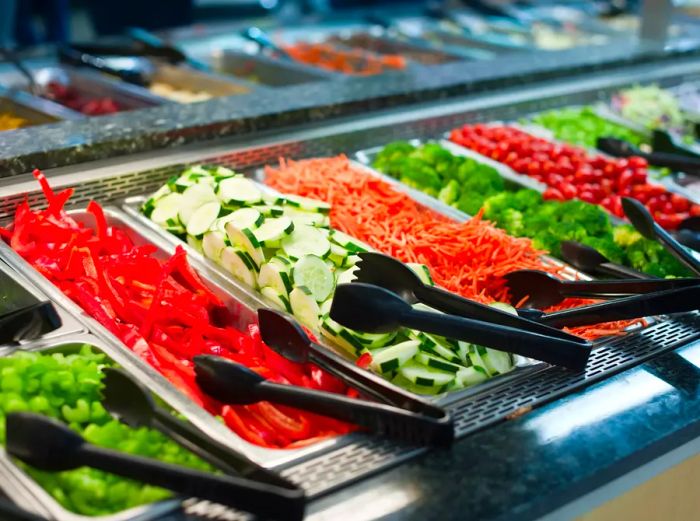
(663, 141)
(47, 444)
(620, 148)
(11, 512)
(680, 300)
(257, 35)
(74, 57)
(153, 45)
(644, 223)
(393, 275)
(365, 307)
(544, 289)
(589, 260)
(229, 382)
(286, 337)
(127, 400)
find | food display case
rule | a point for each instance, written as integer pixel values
(163, 235)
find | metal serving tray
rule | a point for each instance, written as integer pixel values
(91, 84)
(31, 115)
(20, 487)
(187, 78)
(264, 70)
(243, 306)
(29, 294)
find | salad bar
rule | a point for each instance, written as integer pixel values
(346, 308)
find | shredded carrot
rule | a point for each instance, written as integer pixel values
(469, 258)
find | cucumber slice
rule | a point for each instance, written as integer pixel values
(223, 172)
(468, 376)
(280, 300)
(192, 198)
(300, 217)
(425, 376)
(463, 352)
(349, 243)
(347, 276)
(237, 263)
(245, 238)
(271, 210)
(339, 255)
(325, 307)
(276, 275)
(203, 218)
(306, 204)
(304, 306)
(194, 243)
(239, 190)
(405, 383)
(306, 240)
(375, 340)
(437, 345)
(352, 260)
(212, 243)
(477, 361)
(422, 271)
(497, 362)
(166, 209)
(393, 357)
(313, 273)
(273, 230)
(437, 362)
(272, 198)
(242, 218)
(504, 307)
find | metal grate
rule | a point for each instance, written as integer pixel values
(476, 411)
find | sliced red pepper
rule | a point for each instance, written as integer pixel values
(100, 220)
(294, 427)
(236, 424)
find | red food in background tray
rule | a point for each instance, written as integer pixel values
(73, 99)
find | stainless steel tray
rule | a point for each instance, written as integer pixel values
(40, 109)
(23, 490)
(69, 324)
(91, 84)
(264, 70)
(31, 115)
(186, 78)
(241, 303)
(132, 208)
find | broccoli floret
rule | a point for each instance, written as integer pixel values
(591, 217)
(527, 199)
(548, 242)
(422, 174)
(625, 235)
(495, 205)
(450, 192)
(470, 202)
(651, 257)
(607, 247)
(512, 222)
(391, 157)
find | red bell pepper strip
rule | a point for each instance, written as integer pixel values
(100, 220)
(236, 423)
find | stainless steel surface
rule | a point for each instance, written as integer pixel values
(264, 70)
(92, 85)
(655, 22)
(46, 110)
(31, 115)
(21, 484)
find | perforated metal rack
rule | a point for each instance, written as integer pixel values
(485, 406)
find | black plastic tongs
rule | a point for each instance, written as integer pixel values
(392, 274)
(621, 148)
(400, 414)
(544, 289)
(131, 403)
(49, 445)
(91, 56)
(370, 308)
(28, 322)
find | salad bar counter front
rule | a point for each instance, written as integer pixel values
(219, 308)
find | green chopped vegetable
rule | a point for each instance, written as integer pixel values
(67, 388)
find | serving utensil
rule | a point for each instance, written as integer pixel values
(589, 260)
(257, 35)
(29, 322)
(621, 148)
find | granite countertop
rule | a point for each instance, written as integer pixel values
(171, 125)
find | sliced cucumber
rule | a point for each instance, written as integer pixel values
(276, 275)
(347, 276)
(300, 217)
(306, 240)
(280, 300)
(212, 243)
(242, 218)
(468, 376)
(192, 198)
(393, 357)
(422, 271)
(166, 209)
(438, 345)
(352, 260)
(313, 273)
(194, 243)
(425, 376)
(504, 307)
(239, 190)
(405, 383)
(222, 172)
(339, 255)
(306, 204)
(325, 307)
(497, 362)
(375, 340)
(437, 362)
(304, 306)
(237, 262)
(272, 198)
(463, 352)
(203, 218)
(245, 238)
(477, 361)
(349, 243)
(271, 210)
(272, 230)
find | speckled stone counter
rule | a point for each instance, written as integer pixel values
(172, 125)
